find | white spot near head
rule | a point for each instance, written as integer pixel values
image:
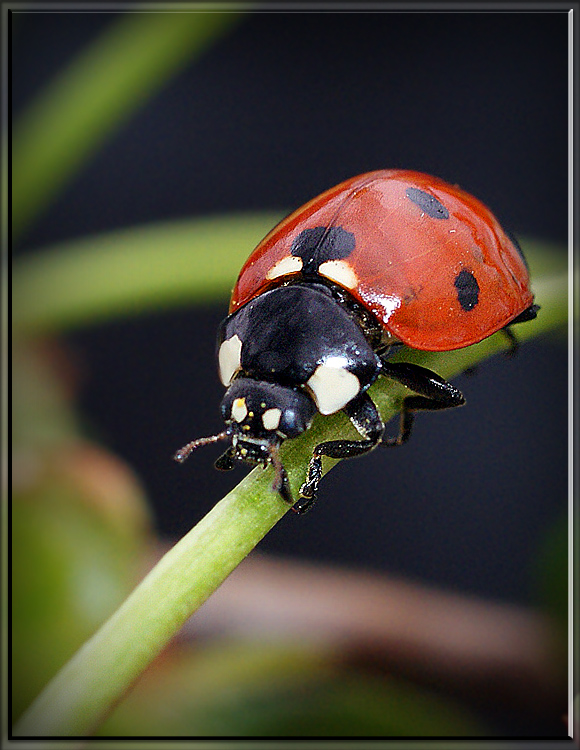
(239, 409)
(383, 305)
(339, 271)
(284, 267)
(333, 386)
(271, 418)
(230, 359)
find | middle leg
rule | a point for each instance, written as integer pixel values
(363, 413)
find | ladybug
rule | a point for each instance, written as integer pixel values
(385, 259)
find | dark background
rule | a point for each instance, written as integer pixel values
(284, 106)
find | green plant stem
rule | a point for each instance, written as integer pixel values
(70, 119)
(81, 695)
(95, 679)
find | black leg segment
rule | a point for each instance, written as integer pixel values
(514, 344)
(434, 393)
(528, 314)
(225, 461)
(283, 487)
(365, 417)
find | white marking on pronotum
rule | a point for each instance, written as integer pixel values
(289, 264)
(332, 385)
(239, 409)
(271, 418)
(230, 359)
(339, 271)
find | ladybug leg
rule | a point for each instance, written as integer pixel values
(514, 344)
(225, 461)
(281, 483)
(284, 488)
(435, 393)
(309, 489)
(528, 314)
(363, 413)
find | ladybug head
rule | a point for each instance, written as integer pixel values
(258, 416)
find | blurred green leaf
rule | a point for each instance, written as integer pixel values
(256, 689)
(80, 525)
(42, 411)
(551, 573)
(97, 92)
(128, 271)
(71, 568)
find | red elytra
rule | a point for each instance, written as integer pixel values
(405, 261)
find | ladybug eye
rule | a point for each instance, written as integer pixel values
(427, 203)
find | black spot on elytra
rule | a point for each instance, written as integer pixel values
(316, 246)
(467, 290)
(427, 203)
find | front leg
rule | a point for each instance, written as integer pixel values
(363, 413)
(226, 461)
(435, 393)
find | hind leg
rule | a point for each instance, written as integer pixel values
(434, 394)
